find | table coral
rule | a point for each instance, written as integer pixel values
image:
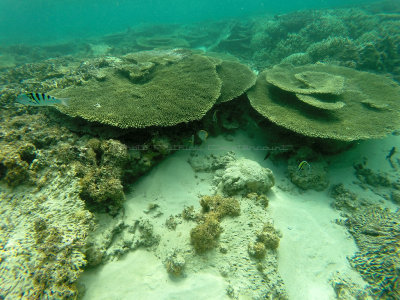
(345, 122)
(162, 94)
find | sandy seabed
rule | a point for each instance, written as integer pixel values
(312, 251)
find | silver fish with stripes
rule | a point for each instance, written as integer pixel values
(40, 99)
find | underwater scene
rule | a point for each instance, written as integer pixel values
(200, 150)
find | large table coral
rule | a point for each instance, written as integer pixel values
(160, 88)
(328, 101)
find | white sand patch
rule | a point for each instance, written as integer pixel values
(140, 275)
(313, 247)
(171, 184)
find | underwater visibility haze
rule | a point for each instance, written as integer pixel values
(44, 21)
(200, 149)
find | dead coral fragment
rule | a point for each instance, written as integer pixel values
(189, 213)
(243, 176)
(171, 223)
(175, 264)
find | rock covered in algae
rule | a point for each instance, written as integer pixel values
(353, 121)
(157, 88)
(102, 174)
(220, 206)
(42, 240)
(244, 176)
(175, 264)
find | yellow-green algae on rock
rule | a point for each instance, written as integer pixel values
(356, 120)
(167, 89)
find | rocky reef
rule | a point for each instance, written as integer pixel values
(244, 176)
(64, 170)
(45, 224)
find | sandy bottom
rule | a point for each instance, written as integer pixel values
(312, 249)
(140, 275)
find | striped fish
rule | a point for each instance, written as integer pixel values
(40, 99)
(302, 166)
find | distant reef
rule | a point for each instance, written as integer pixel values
(366, 38)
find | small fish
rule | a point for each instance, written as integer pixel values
(391, 153)
(40, 99)
(202, 134)
(302, 165)
(214, 116)
(267, 155)
(191, 140)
